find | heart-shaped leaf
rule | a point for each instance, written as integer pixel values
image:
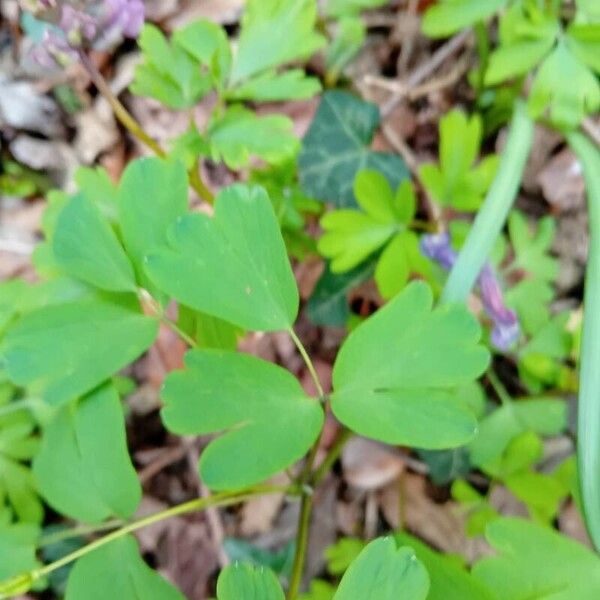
(86, 247)
(268, 420)
(64, 351)
(247, 582)
(393, 376)
(83, 468)
(233, 266)
(384, 572)
(117, 570)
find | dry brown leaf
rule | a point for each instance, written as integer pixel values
(562, 182)
(258, 514)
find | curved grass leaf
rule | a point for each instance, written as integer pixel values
(83, 468)
(233, 266)
(66, 350)
(117, 571)
(246, 582)
(267, 420)
(86, 247)
(384, 572)
(393, 376)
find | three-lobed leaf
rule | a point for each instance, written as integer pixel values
(535, 562)
(449, 16)
(233, 265)
(117, 570)
(242, 581)
(394, 375)
(63, 351)
(384, 572)
(266, 419)
(83, 468)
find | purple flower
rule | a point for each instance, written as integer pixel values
(505, 331)
(126, 15)
(54, 50)
(77, 26)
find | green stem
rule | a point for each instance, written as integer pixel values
(128, 121)
(81, 530)
(499, 387)
(332, 456)
(588, 428)
(492, 215)
(483, 49)
(308, 362)
(222, 499)
(301, 546)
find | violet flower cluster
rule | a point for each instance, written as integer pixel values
(81, 24)
(506, 329)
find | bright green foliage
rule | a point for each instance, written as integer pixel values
(532, 261)
(168, 72)
(457, 181)
(95, 185)
(245, 582)
(239, 134)
(337, 147)
(17, 445)
(384, 572)
(342, 553)
(254, 402)
(479, 511)
(233, 266)
(117, 571)
(209, 332)
(17, 550)
(272, 87)
(274, 32)
(341, 8)
(329, 303)
(83, 468)
(409, 400)
(449, 580)
(349, 38)
(319, 590)
(351, 236)
(86, 247)
(536, 562)
(152, 194)
(66, 350)
(449, 16)
(530, 36)
(544, 416)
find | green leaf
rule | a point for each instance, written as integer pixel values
(340, 556)
(239, 134)
(545, 416)
(208, 331)
(349, 38)
(532, 248)
(382, 572)
(247, 582)
(152, 194)
(273, 33)
(18, 445)
(564, 105)
(168, 73)
(584, 42)
(536, 562)
(233, 266)
(279, 561)
(449, 581)
(341, 8)
(86, 247)
(409, 400)
(116, 570)
(207, 42)
(337, 147)
(83, 468)
(272, 86)
(319, 590)
(531, 299)
(457, 181)
(66, 350)
(17, 549)
(253, 402)
(449, 16)
(328, 304)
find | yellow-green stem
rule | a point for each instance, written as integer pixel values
(309, 363)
